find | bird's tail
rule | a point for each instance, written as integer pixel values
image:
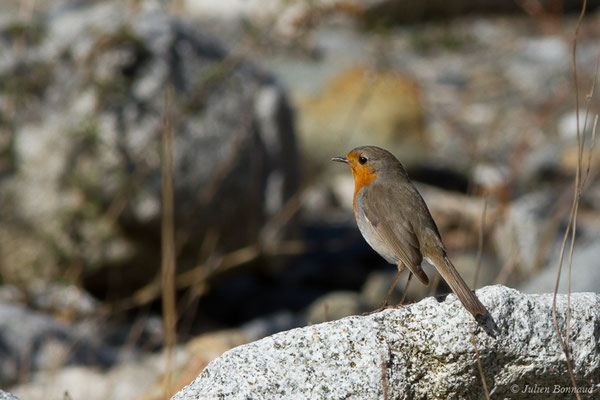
(465, 295)
(459, 287)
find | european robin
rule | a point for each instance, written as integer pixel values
(395, 221)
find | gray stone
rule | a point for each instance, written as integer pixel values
(424, 350)
(82, 175)
(585, 275)
(31, 341)
(66, 300)
(7, 396)
(517, 235)
(128, 380)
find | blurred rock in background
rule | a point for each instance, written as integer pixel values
(83, 107)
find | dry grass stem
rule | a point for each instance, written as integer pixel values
(168, 245)
(572, 223)
(483, 381)
(480, 240)
(200, 275)
(384, 380)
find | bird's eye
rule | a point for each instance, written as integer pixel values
(362, 160)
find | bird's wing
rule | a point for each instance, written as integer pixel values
(381, 208)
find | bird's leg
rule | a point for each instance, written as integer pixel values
(410, 275)
(390, 290)
(384, 305)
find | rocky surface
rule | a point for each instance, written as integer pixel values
(7, 396)
(361, 105)
(130, 380)
(585, 276)
(33, 341)
(424, 350)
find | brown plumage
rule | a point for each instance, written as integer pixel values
(395, 221)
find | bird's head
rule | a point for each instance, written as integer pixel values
(370, 162)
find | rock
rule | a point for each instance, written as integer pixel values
(447, 207)
(285, 22)
(424, 350)
(125, 381)
(233, 9)
(359, 106)
(30, 341)
(592, 195)
(67, 301)
(491, 179)
(567, 125)
(542, 164)
(319, 201)
(570, 158)
(548, 49)
(82, 186)
(198, 352)
(12, 294)
(130, 379)
(342, 187)
(33, 342)
(585, 276)
(517, 236)
(7, 396)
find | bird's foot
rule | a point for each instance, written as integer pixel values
(384, 306)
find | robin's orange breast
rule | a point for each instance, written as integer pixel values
(363, 176)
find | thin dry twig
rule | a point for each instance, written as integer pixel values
(572, 224)
(483, 381)
(278, 221)
(480, 240)
(168, 245)
(592, 146)
(384, 380)
(579, 188)
(199, 275)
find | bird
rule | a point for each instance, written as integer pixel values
(395, 221)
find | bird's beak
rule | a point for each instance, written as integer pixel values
(341, 159)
